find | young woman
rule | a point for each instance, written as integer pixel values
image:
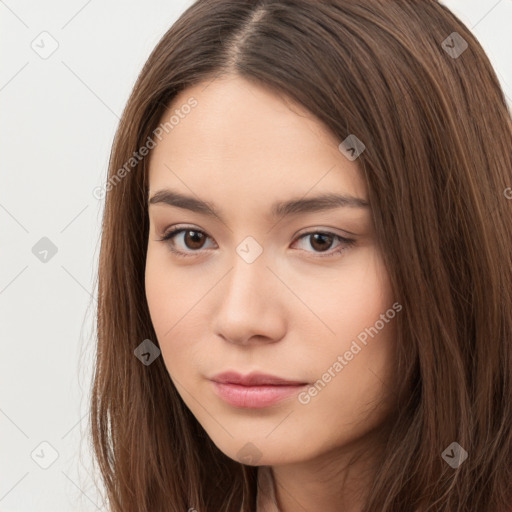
(305, 277)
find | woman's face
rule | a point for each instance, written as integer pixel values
(251, 290)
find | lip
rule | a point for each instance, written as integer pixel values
(254, 379)
(254, 391)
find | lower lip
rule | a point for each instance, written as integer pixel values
(255, 397)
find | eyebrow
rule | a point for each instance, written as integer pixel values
(291, 207)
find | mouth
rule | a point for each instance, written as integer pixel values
(254, 391)
(254, 379)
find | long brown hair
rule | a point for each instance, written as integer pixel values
(438, 165)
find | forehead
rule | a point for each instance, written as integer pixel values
(246, 140)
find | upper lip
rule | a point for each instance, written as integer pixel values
(253, 379)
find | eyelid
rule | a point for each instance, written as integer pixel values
(173, 231)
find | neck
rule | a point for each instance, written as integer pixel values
(333, 482)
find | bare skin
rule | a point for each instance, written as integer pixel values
(292, 311)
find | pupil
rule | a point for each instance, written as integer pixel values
(323, 237)
(195, 238)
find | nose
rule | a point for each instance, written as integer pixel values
(251, 302)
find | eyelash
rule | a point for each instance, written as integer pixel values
(167, 237)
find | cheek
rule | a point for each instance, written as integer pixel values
(170, 292)
(353, 364)
(350, 397)
(173, 298)
(351, 301)
(160, 298)
(163, 300)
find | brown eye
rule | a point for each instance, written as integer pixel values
(321, 241)
(193, 239)
(190, 243)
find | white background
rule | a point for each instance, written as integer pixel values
(58, 119)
